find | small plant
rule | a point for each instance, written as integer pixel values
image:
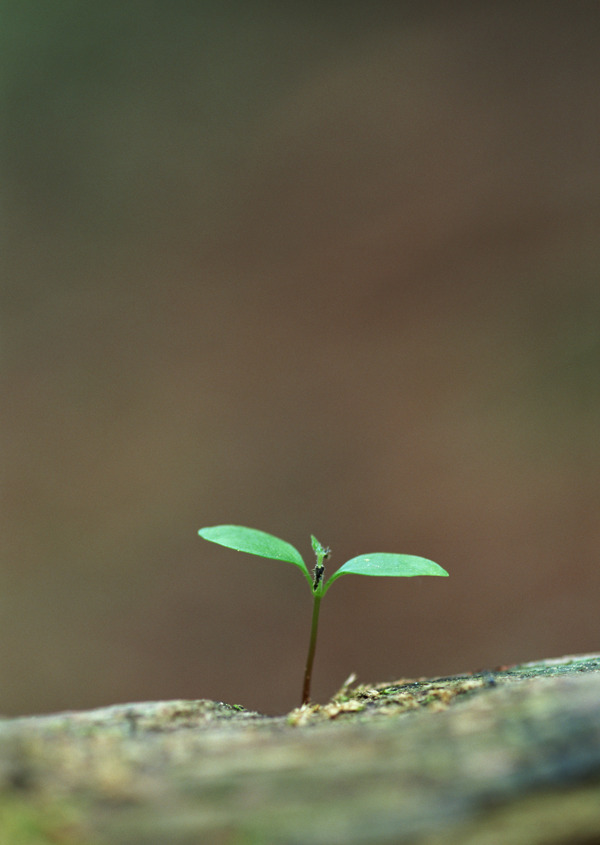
(266, 545)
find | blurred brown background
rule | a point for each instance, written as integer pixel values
(311, 268)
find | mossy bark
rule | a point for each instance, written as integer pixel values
(506, 756)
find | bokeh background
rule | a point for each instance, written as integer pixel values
(327, 268)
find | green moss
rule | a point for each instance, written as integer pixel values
(24, 821)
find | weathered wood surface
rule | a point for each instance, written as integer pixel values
(509, 756)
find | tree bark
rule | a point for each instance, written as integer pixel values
(505, 756)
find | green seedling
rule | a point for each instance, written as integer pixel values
(265, 545)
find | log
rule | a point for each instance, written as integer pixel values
(510, 755)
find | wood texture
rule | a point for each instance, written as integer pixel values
(506, 756)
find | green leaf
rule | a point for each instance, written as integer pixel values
(316, 546)
(381, 563)
(255, 543)
(320, 551)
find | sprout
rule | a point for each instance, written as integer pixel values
(266, 545)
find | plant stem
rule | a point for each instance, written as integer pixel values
(311, 649)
